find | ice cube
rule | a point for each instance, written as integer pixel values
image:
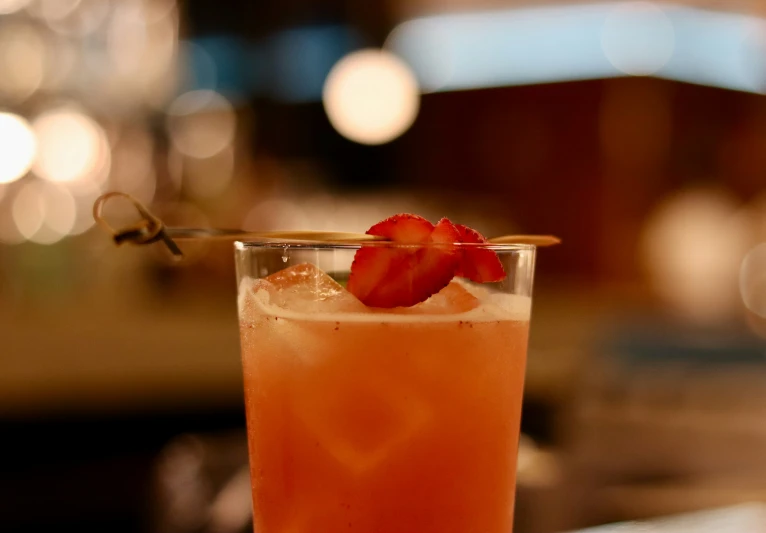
(477, 289)
(452, 299)
(305, 288)
(362, 425)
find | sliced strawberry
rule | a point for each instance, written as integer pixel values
(478, 264)
(403, 228)
(383, 276)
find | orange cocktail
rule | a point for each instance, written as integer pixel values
(367, 420)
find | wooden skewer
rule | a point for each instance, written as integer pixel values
(297, 235)
(537, 240)
(151, 229)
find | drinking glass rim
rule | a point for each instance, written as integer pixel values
(356, 245)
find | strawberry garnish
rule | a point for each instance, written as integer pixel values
(403, 228)
(403, 276)
(478, 264)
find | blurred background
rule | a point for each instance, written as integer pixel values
(634, 131)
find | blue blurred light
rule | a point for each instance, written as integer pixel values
(712, 48)
(290, 65)
(514, 47)
(302, 57)
(566, 43)
(228, 54)
(214, 63)
(199, 68)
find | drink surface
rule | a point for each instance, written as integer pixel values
(381, 421)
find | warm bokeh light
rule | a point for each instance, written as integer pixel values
(52, 10)
(638, 38)
(44, 212)
(23, 60)
(142, 44)
(11, 6)
(371, 97)
(18, 147)
(155, 10)
(127, 38)
(60, 214)
(693, 246)
(81, 19)
(201, 123)
(71, 147)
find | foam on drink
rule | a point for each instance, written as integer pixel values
(304, 292)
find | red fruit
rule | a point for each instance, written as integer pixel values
(403, 228)
(478, 264)
(390, 276)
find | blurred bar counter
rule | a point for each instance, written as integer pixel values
(89, 362)
(105, 358)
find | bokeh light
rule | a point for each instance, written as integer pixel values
(81, 19)
(18, 147)
(72, 147)
(201, 123)
(44, 212)
(427, 48)
(127, 38)
(752, 60)
(52, 10)
(638, 38)
(142, 46)
(693, 245)
(23, 60)
(156, 10)
(11, 6)
(371, 97)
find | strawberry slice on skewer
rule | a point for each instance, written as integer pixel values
(399, 275)
(402, 276)
(478, 264)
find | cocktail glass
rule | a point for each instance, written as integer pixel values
(366, 420)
